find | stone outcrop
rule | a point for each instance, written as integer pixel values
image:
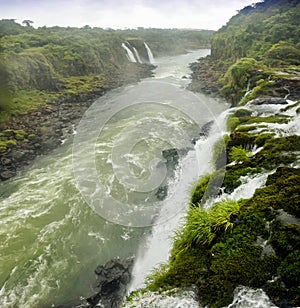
(111, 283)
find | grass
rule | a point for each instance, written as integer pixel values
(204, 225)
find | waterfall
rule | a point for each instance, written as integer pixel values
(157, 247)
(150, 55)
(130, 54)
(133, 54)
(137, 55)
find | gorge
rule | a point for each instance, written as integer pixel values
(178, 198)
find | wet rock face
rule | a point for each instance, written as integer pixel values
(268, 101)
(111, 283)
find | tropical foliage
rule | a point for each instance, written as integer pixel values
(38, 64)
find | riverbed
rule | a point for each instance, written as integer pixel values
(94, 198)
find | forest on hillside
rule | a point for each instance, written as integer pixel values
(258, 49)
(38, 65)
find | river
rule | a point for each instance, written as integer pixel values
(95, 198)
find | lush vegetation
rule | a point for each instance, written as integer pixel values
(256, 53)
(253, 242)
(37, 65)
(171, 41)
(257, 29)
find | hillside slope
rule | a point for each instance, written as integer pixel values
(248, 236)
(257, 53)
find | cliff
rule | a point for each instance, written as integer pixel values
(50, 76)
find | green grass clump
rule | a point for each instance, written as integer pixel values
(204, 225)
(238, 154)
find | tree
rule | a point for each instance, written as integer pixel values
(27, 22)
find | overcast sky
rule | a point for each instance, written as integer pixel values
(201, 14)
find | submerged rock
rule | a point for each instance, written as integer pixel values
(162, 192)
(171, 157)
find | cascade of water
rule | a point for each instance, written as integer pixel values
(250, 298)
(129, 53)
(137, 55)
(150, 54)
(157, 247)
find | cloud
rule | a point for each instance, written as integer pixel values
(205, 14)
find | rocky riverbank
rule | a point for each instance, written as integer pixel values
(205, 75)
(36, 132)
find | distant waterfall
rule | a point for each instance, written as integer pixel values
(150, 55)
(137, 55)
(130, 54)
(139, 52)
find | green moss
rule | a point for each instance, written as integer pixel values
(284, 238)
(260, 140)
(281, 119)
(289, 271)
(199, 190)
(5, 144)
(233, 176)
(241, 112)
(290, 107)
(221, 245)
(232, 123)
(238, 154)
(184, 269)
(238, 138)
(277, 151)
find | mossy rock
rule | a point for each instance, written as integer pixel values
(277, 151)
(199, 190)
(243, 139)
(236, 257)
(260, 140)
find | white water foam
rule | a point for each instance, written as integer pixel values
(173, 298)
(245, 297)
